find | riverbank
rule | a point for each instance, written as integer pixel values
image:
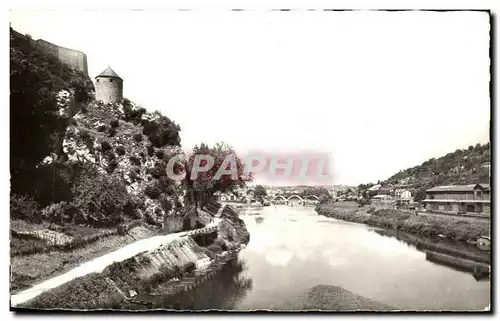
(452, 228)
(140, 268)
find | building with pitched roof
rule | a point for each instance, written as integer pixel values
(108, 87)
(459, 198)
(382, 199)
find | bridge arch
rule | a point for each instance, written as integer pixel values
(309, 197)
(278, 197)
(295, 196)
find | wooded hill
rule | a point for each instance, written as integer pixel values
(461, 167)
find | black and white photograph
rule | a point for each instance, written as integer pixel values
(250, 160)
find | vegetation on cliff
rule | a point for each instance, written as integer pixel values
(74, 160)
(88, 177)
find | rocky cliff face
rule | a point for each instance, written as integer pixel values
(113, 139)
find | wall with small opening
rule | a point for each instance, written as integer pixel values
(108, 89)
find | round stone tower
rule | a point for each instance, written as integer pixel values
(108, 87)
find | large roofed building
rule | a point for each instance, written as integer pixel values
(459, 198)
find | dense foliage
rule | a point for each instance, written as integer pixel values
(99, 198)
(207, 183)
(36, 126)
(162, 131)
(260, 193)
(318, 191)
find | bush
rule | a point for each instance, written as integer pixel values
(113, 164)
(58, 212)
(135, 160)
(153, 190)
(120, 150)
(110, 156)
(84, 134)
(166, 203)
(160, 154)
(134, 174)
(131, 210)
(155, 172)
(23, 207)
(162, 131)
(112, 131)
(150, 150)
(130, 115)
(102, 128)
(99, 198)
(138, 138)
(47, 183)
(114, 123)
(105, 146)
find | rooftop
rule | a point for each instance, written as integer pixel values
(382, 196)
(459, 188)
(109, 73)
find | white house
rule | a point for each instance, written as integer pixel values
(402, 193)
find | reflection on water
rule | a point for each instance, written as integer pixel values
(292, 250)
(223, 291)
(459, 256)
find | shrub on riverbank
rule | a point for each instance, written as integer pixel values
(453, 227)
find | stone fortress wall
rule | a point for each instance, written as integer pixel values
(74, 58)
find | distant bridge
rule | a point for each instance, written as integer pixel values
(280, 198)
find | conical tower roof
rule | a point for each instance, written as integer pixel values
(109, 73)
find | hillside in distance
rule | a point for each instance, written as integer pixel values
(461, 167)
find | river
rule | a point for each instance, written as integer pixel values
(292, 250)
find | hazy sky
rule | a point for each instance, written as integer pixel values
(379, 91)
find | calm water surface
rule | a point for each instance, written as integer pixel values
(291, 250)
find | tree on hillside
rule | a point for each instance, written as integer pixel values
(260, 193)
(206, 183)
(420, 195)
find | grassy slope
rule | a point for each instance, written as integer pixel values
(28, 270)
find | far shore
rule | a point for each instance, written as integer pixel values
(452, 229)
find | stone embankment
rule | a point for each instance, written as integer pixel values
(175, 286)
(142, 267)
